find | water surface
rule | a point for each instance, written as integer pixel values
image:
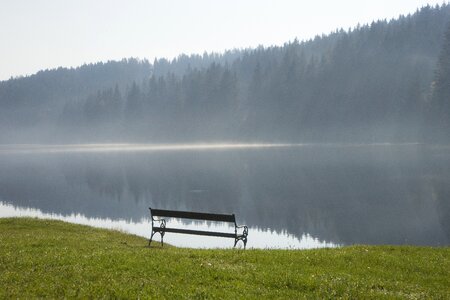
(291, 195)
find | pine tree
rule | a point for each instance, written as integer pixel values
(441, 93)
(442, 82)
(134, 104)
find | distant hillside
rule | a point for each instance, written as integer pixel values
(32, 105)
(369, 83)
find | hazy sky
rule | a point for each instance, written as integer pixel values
(41, 34)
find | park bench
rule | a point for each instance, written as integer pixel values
(162, 229)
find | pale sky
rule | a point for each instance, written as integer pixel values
(41, 34)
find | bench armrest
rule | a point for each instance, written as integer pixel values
(245, 231)
(162, 222)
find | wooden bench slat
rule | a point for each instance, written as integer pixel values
(193, 215)
(197, 232)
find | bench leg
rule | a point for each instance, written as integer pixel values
(151, 237)
(243, 239)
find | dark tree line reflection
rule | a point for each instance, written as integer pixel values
(375, 195)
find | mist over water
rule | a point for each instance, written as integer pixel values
(124, 147)
(332, 193)
(127, 147)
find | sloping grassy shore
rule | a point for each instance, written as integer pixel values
(40, 258)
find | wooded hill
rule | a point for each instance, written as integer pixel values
(381, 82)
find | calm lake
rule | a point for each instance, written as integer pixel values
(290, 196)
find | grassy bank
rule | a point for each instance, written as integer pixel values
(40, 258)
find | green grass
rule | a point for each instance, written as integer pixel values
(53, 259)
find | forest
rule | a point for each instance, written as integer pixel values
(388, 81)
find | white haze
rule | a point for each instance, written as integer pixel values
(92, 148)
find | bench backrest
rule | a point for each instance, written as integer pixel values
(192, 215)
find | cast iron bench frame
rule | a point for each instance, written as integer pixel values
(162, 229)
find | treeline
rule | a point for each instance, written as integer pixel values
(199, 105)
(31, 106)
(368, 83)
